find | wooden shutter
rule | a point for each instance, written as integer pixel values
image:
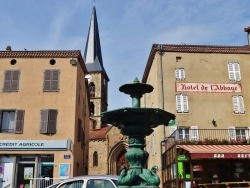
(47, 80)
(238, 104)
(185, 103)
(231, 133)
(194, 133)
(52, 121)
(177, 74)
(235, 104)
(237, 72)
(44, 121)
(241, 104)
(19, 121)
(7, 81)
(234, 71)
(178, 103)
(55, 80)
(15, 80)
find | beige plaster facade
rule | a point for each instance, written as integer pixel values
(68, 144)
(209, 86)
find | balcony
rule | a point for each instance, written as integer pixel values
(208, 136)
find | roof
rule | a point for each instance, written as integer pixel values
(93, 52)
(45, 54)
(99, 134)
(191, 49)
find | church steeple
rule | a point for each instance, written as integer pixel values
(93, 53)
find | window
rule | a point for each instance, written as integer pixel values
(51, 80)
(48, 121)
(182, 103)
(234, 71)
(238, 104)
(183, 133)
(72, 184)
(238, 133)
(99, 183)
(179, 74)
(11, 121)
(92, 90)
(92, 108)
(95, 159)
(11, 81)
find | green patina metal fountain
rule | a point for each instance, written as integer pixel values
(137, 123)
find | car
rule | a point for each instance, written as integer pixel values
(88, 181)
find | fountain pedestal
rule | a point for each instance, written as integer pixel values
(137, 123)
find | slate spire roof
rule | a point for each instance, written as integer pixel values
(93, 53)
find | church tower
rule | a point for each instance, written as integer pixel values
(98, 78)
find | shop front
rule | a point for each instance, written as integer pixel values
(21, 161)
(187, 166)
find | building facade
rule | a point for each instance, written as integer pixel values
(207, 88)
(44, 116)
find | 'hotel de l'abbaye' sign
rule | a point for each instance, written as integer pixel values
(207, 87)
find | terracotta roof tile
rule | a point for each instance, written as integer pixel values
(99, 134)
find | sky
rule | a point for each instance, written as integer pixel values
(127, 28)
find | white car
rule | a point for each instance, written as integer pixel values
(88, 181)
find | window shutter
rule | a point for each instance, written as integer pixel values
(7, 81)
(232, 132)
(231, 71)
(178, 103)
(177, 74)
(52, 121)
(47, 80)
(194, 133)
(234, 71)
(241, 105)
(44, 121)
(55, 80)
(182, 71)
(15, 80)
(237, 71)
(19, 121)
(185, 103)
(235, 104)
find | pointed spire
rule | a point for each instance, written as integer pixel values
(93, 53)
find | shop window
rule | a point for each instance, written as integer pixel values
(48, 121)
(238, 104)
(182, 103)
(92, 90)
(179, 74)
(95, 159)
(11, 121)
(11, 81)
(51, 81)
(234, 71)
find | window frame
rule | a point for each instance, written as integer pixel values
(234, 71)
(180, 74)
(18, 122)
(238, 104)
(48, 122)
(11, 80)
(182, 103)
(51, 80)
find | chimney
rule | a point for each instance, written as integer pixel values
(8, 48)
(248, 34)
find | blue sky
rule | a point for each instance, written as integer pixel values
(128, 28)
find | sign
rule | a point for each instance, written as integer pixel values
(197, 168)
(205, 87)
(34, 144)
(64, 171)
(66, 156)
(221, 155)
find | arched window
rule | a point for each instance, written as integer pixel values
(95, 159)
(92, 108)
(92, 89)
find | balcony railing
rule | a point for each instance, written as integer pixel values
(209, 136)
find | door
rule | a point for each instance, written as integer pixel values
(6, 175)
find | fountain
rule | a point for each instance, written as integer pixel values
(137, 123)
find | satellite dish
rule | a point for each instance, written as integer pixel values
(173, 122)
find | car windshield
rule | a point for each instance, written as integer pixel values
(115, 182)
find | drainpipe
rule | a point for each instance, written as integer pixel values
(162, 87)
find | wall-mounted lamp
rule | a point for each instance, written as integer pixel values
(214, 123)
(72, 61)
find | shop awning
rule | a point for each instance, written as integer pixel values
(217, 151)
